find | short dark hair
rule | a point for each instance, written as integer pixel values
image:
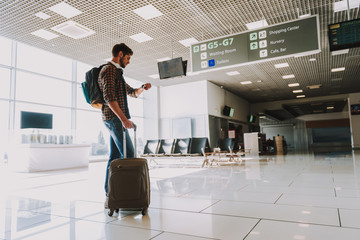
(121, 48)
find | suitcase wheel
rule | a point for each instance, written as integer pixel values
(117, 210)
(111, 212)
(144, 211)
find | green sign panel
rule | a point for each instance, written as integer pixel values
(282, 40)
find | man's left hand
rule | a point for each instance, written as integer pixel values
(147, 86)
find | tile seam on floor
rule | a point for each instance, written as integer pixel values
(156, 235)
(209, 206)
(197, 236)
(252, 229)
(335, 207)
(278, 198)
(338, 210)
(279, 220)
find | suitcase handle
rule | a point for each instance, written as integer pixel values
(124, 141)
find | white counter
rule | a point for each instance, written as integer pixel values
(42, 157)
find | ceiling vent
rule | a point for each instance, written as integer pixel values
(73, 30)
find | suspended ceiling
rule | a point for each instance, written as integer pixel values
(115, 21)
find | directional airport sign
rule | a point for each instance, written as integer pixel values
(277, 41)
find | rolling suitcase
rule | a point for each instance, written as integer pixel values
(129, 183)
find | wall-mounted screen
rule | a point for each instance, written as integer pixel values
(355, 109)
(228, 111)
(172, 68)
(344, 35)
(36, 120)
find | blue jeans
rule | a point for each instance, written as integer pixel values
(116, 144)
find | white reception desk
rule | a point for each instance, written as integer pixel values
(42, 157)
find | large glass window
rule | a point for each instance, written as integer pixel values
(4, 82)
(80, 99)
(36, 88)
(91, 129)
(4, 126)
(5, 50)
(82, 68)
(40, 61)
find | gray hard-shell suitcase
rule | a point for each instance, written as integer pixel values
(129, 183)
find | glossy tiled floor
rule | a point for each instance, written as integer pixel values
(270, 198)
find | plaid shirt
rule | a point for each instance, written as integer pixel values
(114, 88)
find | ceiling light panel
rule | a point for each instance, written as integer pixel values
(281, 65)
(288, 76)
(246, 82)
(233, 73)
(45, 34)
(343, 5)
(187, 42)
(297, 91)
(257, 24)
(148, 12)
(300, 96)
(293, 84)
(338, 69)
(65, 10)
(42, 15)
(141, 37)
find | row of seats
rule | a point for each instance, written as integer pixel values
(175, 147)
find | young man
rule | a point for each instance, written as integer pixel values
(115, 111)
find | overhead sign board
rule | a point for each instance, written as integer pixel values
(291, 38)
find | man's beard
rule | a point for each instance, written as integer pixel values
(122, 62)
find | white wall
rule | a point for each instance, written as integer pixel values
(181, 102)
(354, 98)
(151, 113)
(218, 98)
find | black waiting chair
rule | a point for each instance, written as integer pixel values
(151, 147)
(197, 144)
(165, 147)
(181, 146)
(226, 144)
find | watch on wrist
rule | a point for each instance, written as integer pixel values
(143, 86)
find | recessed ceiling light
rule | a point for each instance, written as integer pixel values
(258, 24)
(65, 10)
(339, 52)
(233, 73)
(342, 5)
(312, 59)
(281, 65)
(262, 117)
(330, 107)
(141, 37)
(300, 96)
(255, 89)
(147, 12)
(338, 69)
(298, 91)
(45, 34)
(154, 76)
(305, 15)
(315, 86)
(188, 42)
(246, 82)
(42, 15)
(163, 59)
(259, 81)
(288, 76)
(293, 84)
